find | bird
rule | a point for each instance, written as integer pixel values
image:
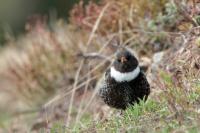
(124, 84)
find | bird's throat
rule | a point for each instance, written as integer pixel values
(126, 76)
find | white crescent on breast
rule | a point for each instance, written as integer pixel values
(127, 76)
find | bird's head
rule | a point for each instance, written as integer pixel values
(125, 66)
(125, 61)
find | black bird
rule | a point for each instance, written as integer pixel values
(124, 83)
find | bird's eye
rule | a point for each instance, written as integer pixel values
(128, 57)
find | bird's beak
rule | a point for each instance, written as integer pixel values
(123, 59)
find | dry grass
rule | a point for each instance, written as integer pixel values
(54, 72)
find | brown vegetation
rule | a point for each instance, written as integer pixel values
(53, 73)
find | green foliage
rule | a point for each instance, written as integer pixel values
(58, 127)
(4, 118)
(154, 116)
(170, 17)
(198, 41)
(197, 18)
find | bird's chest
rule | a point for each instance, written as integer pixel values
(116, 95)
(114, 90)
(119, 91)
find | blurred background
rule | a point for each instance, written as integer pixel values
(14, 14)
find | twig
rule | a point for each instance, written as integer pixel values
(90, 101)
(96, 25)
(147, 32)
(194, 7)
(26, 112)
(82, 62)
(93, 56)
(73, 93)
(64, 94)
(81, 103)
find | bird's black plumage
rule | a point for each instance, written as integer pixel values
(121, 94)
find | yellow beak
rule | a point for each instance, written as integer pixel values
(123, 59)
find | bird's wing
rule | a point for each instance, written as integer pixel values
(101, 84)
(106, 83)
(142, 87)
(126, 88)
(145, 84)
